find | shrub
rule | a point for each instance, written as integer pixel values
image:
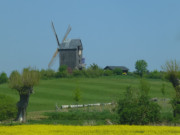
(91, 72)
(80, 114)
(167, 117)
(176, 107)
(3, 78)
(138, 109)
(77, 95)
(94, 66)
(155, 75)
(47, 74)
(69, 70)
(108, 73)
(94, 73)
(117, 71)
(62, 72)
(133, 74)
(78, 73)
(7, 108)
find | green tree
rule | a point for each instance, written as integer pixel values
(3, 78)
(24, 84)
(77, 95)
(141, 67)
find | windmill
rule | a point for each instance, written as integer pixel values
(70, 51)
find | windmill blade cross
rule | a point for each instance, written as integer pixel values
(67, 32)
(55, 34)
(53, 58)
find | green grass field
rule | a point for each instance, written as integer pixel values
(93, 90)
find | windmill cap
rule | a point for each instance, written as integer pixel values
(71, 44)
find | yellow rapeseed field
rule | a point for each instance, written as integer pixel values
(88, 130)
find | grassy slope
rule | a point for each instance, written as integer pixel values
(93, 90)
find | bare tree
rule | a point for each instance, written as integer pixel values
(23, 83)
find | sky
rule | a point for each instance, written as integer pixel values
(113, 32)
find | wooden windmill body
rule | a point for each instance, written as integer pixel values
(70, 52)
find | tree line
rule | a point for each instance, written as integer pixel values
(94, 71)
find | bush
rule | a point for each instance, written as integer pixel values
(7, 108)
(167, 117)
(78, 73)
(117, 71)
(155, 75)
(94, 73)
(47, 74)
(77, 95)
(62, 72)
(94, 66)
(108, 73)
(139, 113)
(81, 115)
(3, 78)
(138, 109)
(176, 107)
(133, 74)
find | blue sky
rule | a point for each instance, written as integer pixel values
(113, 32)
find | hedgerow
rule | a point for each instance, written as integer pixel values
(7, 107)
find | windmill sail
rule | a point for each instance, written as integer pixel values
(67, 32)
(55, 34)
(57, 51)
(53, 58)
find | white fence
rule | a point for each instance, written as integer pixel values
(80, 106)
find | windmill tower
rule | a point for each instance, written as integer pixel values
(70, 51)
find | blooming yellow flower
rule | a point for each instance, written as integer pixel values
(88, 130)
